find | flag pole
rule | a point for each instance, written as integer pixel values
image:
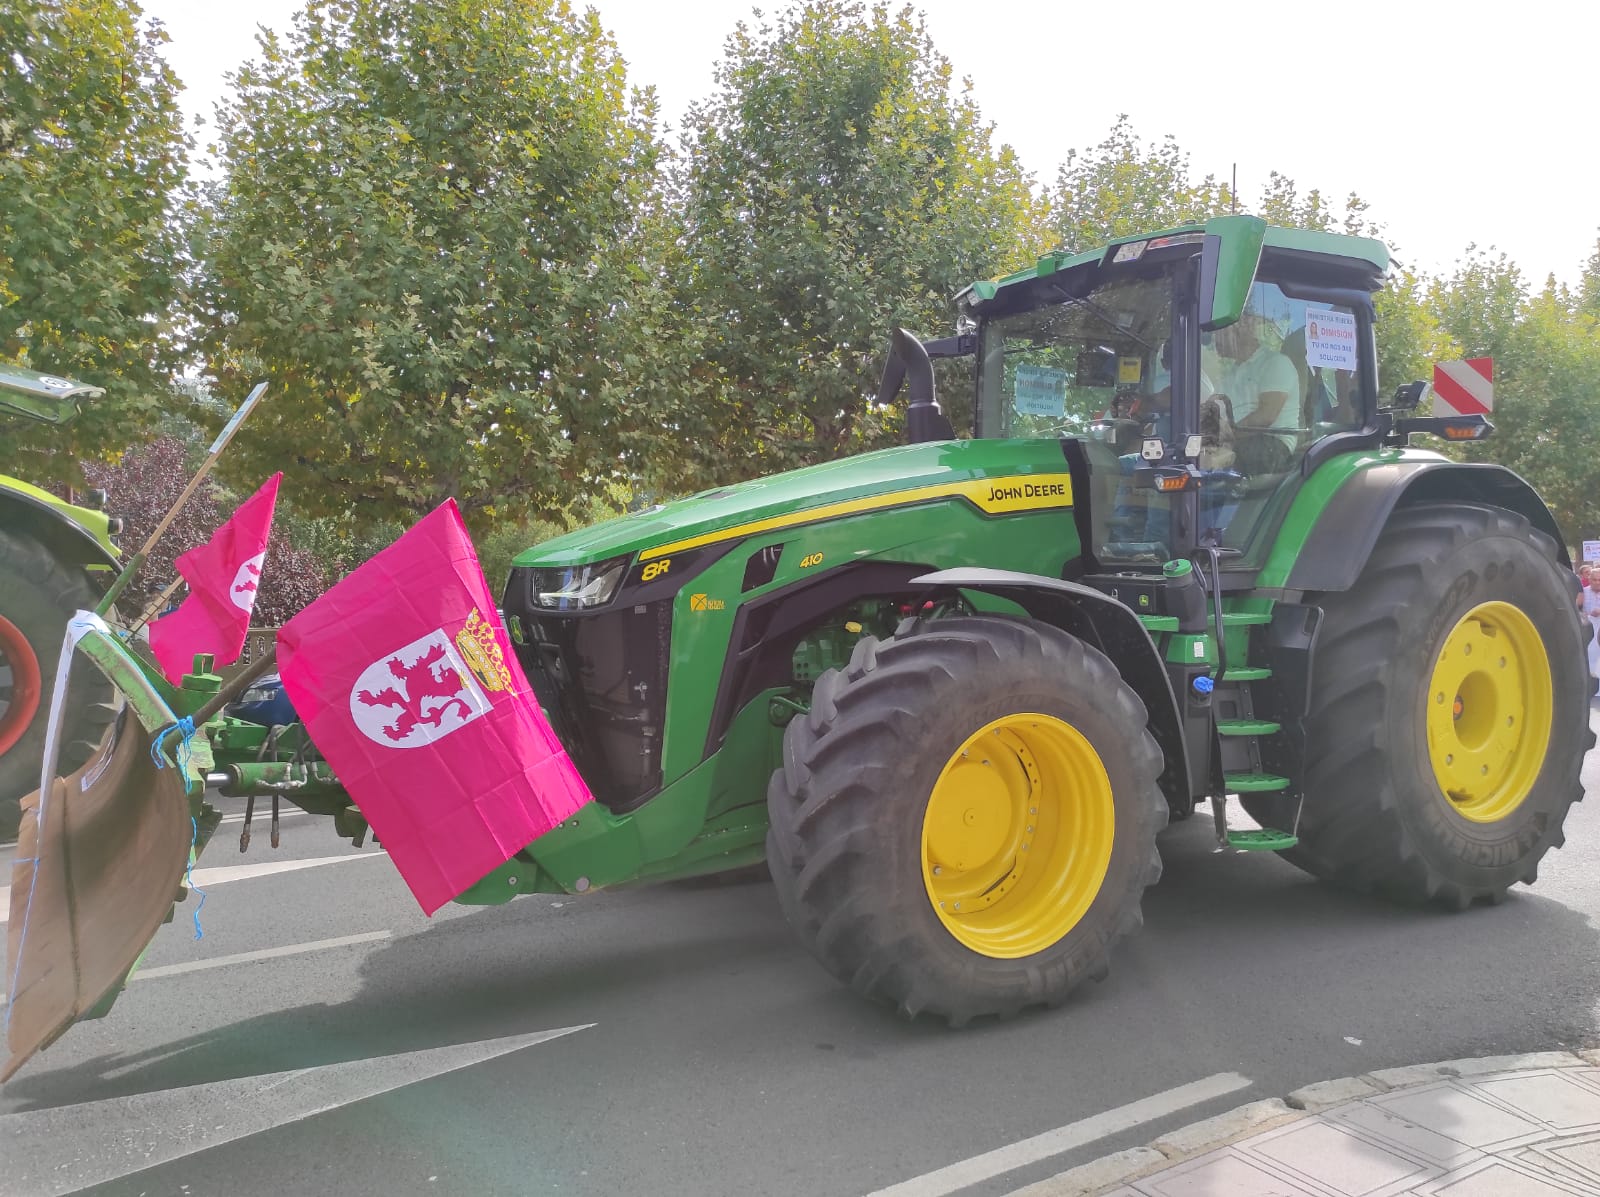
(159, 602)
(138, 559)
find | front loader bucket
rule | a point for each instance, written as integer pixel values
(100, 861)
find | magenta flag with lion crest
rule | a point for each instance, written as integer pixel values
(223, 576)
(407, 682)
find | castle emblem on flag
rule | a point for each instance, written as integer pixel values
(481, 649)
(416, 694)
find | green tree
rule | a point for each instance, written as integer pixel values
(424, 237)
(1589, 284)
(834, 185)
(92, 162)
(1409, 336)
(1125, 186)
(1546, 351)
(1282, 204)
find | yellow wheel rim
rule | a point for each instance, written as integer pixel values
(1017, 835)
(1489, 704)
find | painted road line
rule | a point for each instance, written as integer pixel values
(1066, 1138)
(66, 1148)
(293, 949)
(223, 874)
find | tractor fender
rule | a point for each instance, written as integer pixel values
(65, 538)
(1335, 551)
(1108, 625)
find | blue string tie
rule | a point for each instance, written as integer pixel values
(185, 727)
(188, 876)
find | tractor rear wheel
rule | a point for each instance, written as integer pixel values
(37, 596)
(965, 820)
(1450, 711)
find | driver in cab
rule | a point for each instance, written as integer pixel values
(1261, 381)
(1262, 387)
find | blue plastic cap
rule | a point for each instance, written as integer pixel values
(1204, 685)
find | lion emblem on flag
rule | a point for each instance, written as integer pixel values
(246, 581)
(416, 694)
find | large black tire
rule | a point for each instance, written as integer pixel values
(1377, 816)
(846, 844)
(37, 596)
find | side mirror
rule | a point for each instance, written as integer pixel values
(1407, 397)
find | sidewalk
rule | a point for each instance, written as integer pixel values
(1502, 1126)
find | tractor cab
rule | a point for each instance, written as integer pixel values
(1194, 377)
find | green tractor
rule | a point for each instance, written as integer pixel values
(1187, 553)
(952, 692)
(55, 557)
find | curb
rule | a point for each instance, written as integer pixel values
(1175, 1147)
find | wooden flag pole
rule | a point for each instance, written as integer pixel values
(159, 602)
(138, 559)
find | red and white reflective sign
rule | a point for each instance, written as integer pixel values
(1464, 388)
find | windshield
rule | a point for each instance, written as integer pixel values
(1058, 369)
(1098, 368)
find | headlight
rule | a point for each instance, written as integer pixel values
(578, 587)
(257, 694)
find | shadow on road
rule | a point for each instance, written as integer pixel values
(1242, 957)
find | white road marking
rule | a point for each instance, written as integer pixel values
(1065, 1138)
(293, 949)
(118, 1136)
(223, 874)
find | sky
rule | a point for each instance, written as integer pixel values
(1459, 123)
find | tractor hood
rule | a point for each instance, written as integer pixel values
(781, 496)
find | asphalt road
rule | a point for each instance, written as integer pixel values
(715, 1057)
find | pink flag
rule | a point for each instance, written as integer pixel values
(407, 683)
(223, 575)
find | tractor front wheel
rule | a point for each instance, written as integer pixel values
(37, 596)
(1450, 711)
(965, 820)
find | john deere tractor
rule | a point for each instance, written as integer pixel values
(1186, 554)
(55, 557)
(952, 692)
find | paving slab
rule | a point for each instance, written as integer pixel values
(1496, 1126)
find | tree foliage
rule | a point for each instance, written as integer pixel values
(446, 231)
(423, 238)
(92, 162)
(145, 481)
(1124, 186)
(1546, 351)
(834, 185)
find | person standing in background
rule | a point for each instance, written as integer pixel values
(1589, 600)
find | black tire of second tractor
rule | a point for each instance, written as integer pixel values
(39, 593)
(1375, 819)
(846, 810)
